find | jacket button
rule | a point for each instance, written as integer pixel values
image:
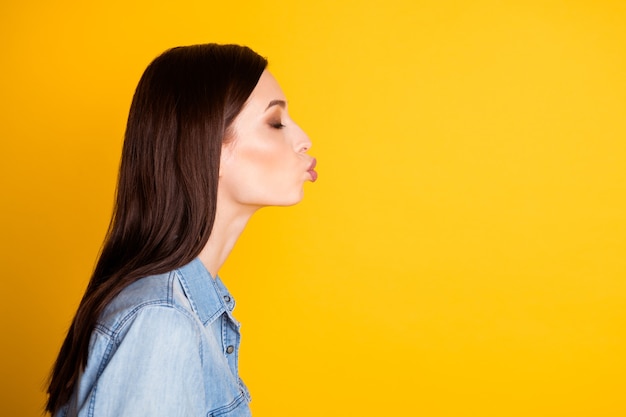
(227, 298)
(230, 349)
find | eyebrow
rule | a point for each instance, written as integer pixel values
(281, 103)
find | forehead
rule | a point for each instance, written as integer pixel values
(266, 90)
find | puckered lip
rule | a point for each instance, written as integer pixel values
(312, 171)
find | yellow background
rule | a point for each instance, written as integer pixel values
(463, 252)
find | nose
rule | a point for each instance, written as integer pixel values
(302, 142)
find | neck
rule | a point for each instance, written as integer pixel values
(230, 220)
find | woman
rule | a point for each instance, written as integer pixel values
(208, 142)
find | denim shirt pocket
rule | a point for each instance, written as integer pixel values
(237, 408)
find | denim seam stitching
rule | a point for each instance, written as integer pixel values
(229, 407)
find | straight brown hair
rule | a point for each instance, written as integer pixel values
(166, 196)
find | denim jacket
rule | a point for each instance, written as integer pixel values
(167, 345)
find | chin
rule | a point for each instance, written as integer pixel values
(291, 200)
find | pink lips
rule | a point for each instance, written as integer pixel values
(312, 170)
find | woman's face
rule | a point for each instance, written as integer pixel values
(264, 162)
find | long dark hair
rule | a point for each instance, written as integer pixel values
(180, 115)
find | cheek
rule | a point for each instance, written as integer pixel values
(261, 160)
(264, 173)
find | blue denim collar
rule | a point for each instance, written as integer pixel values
(208, 296)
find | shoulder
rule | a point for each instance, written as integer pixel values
(156, 293)
(151, 363)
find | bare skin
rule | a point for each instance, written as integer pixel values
(264, 164)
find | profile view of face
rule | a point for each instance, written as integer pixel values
(265, 162)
